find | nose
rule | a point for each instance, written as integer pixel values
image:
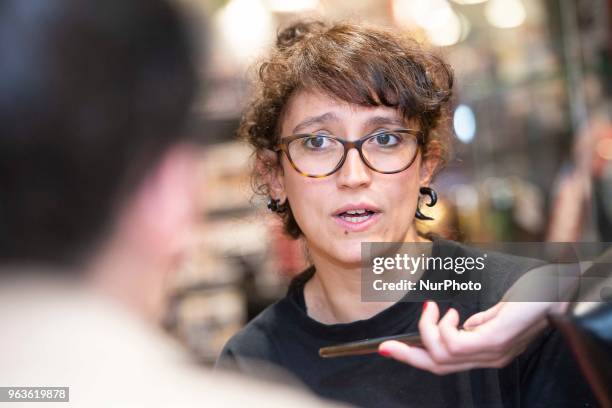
(354, 173)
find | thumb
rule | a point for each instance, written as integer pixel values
(482, 317)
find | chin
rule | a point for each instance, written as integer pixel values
(350, 261)
(348, 254)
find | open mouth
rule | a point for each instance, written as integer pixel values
(356, 216)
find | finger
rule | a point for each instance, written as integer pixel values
(450, 319)
(461, 342)
(482, 317)
(448, 328)
(494, 336)
(450, 334)
(419, 358)
(460, 348)
(428, 328)
(486, 346)
(478, 348)
(428, 324)
(513, 321)
(429, 317)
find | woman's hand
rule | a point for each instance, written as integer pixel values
(491, 338)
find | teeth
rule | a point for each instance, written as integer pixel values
(352, 212)
(356, 219)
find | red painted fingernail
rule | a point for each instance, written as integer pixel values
(384, 353)
(425, 305)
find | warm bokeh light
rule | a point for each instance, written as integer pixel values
(448, 33)
(441, 23)
(427, 14)
(245, 27)
(505, 13)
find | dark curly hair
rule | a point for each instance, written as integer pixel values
(355, 63)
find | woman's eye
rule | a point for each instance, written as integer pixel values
(316, 142)
(386, 139)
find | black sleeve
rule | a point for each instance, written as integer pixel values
(550, 376)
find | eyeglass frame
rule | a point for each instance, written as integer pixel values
(283, 146)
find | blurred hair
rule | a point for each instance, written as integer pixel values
(91, 95)
(357, 64)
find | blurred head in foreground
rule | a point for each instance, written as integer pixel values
(96, 175)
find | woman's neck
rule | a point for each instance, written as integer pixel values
(333, 294)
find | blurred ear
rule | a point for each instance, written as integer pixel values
(428, 168)
(165, 207)
(268, 165)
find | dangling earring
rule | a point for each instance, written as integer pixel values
(433, 199)
(274, 205)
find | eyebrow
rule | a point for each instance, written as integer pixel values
(331, 117)
(385, 120)
(314, 120)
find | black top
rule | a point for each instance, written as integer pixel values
(544, 375)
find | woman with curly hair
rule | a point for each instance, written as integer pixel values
(349, 124)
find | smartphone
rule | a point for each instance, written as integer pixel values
(368, 346)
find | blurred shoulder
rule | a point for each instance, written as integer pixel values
(257, 339)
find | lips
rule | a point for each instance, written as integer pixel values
(356, 217)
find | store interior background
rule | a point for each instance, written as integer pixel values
(532, 141)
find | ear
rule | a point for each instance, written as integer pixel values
(428, 168)
(269, 165)
(164, 208)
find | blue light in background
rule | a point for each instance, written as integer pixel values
(464, 123)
